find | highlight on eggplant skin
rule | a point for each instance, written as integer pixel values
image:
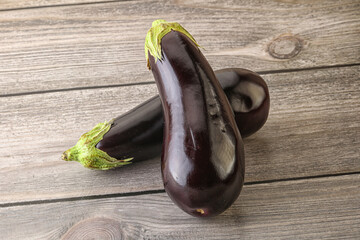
(202, 162)
(249, 98)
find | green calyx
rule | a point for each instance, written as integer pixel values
(88, 155)
(153, 38)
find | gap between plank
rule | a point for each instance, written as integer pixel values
(146, 83)
(63, 5)
(129, 194)
(75, 89)
(307, 69)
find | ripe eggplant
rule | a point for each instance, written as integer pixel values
(138, 133)
(202, 161)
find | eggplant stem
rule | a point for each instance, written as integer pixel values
(158, 30)
(86, 153)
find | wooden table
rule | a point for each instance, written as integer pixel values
(69, 64)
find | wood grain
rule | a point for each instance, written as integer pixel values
(102, 44)
(7, 5)
(323, 208)
(313, 129)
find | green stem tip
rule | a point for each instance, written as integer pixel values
(158, 30)
(86, 153)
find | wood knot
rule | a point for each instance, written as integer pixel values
(95, 228)
(285, 47)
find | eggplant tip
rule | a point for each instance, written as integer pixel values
(64, 156)
(201, 211)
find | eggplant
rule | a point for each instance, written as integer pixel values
(138, 133)
(202, 161)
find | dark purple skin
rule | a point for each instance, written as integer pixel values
(249, 98)
(139, 132)
(202, 162)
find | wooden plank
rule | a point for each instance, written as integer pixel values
(19, 4)
(313, 129)
(324, 208)
(102, 44)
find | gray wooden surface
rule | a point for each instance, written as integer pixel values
(69, 64)
(318, 208)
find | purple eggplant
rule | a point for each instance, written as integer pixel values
(202, 161)
(138, 133)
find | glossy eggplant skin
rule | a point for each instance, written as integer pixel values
(138, 133)
(202, 162)
(249, 98)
